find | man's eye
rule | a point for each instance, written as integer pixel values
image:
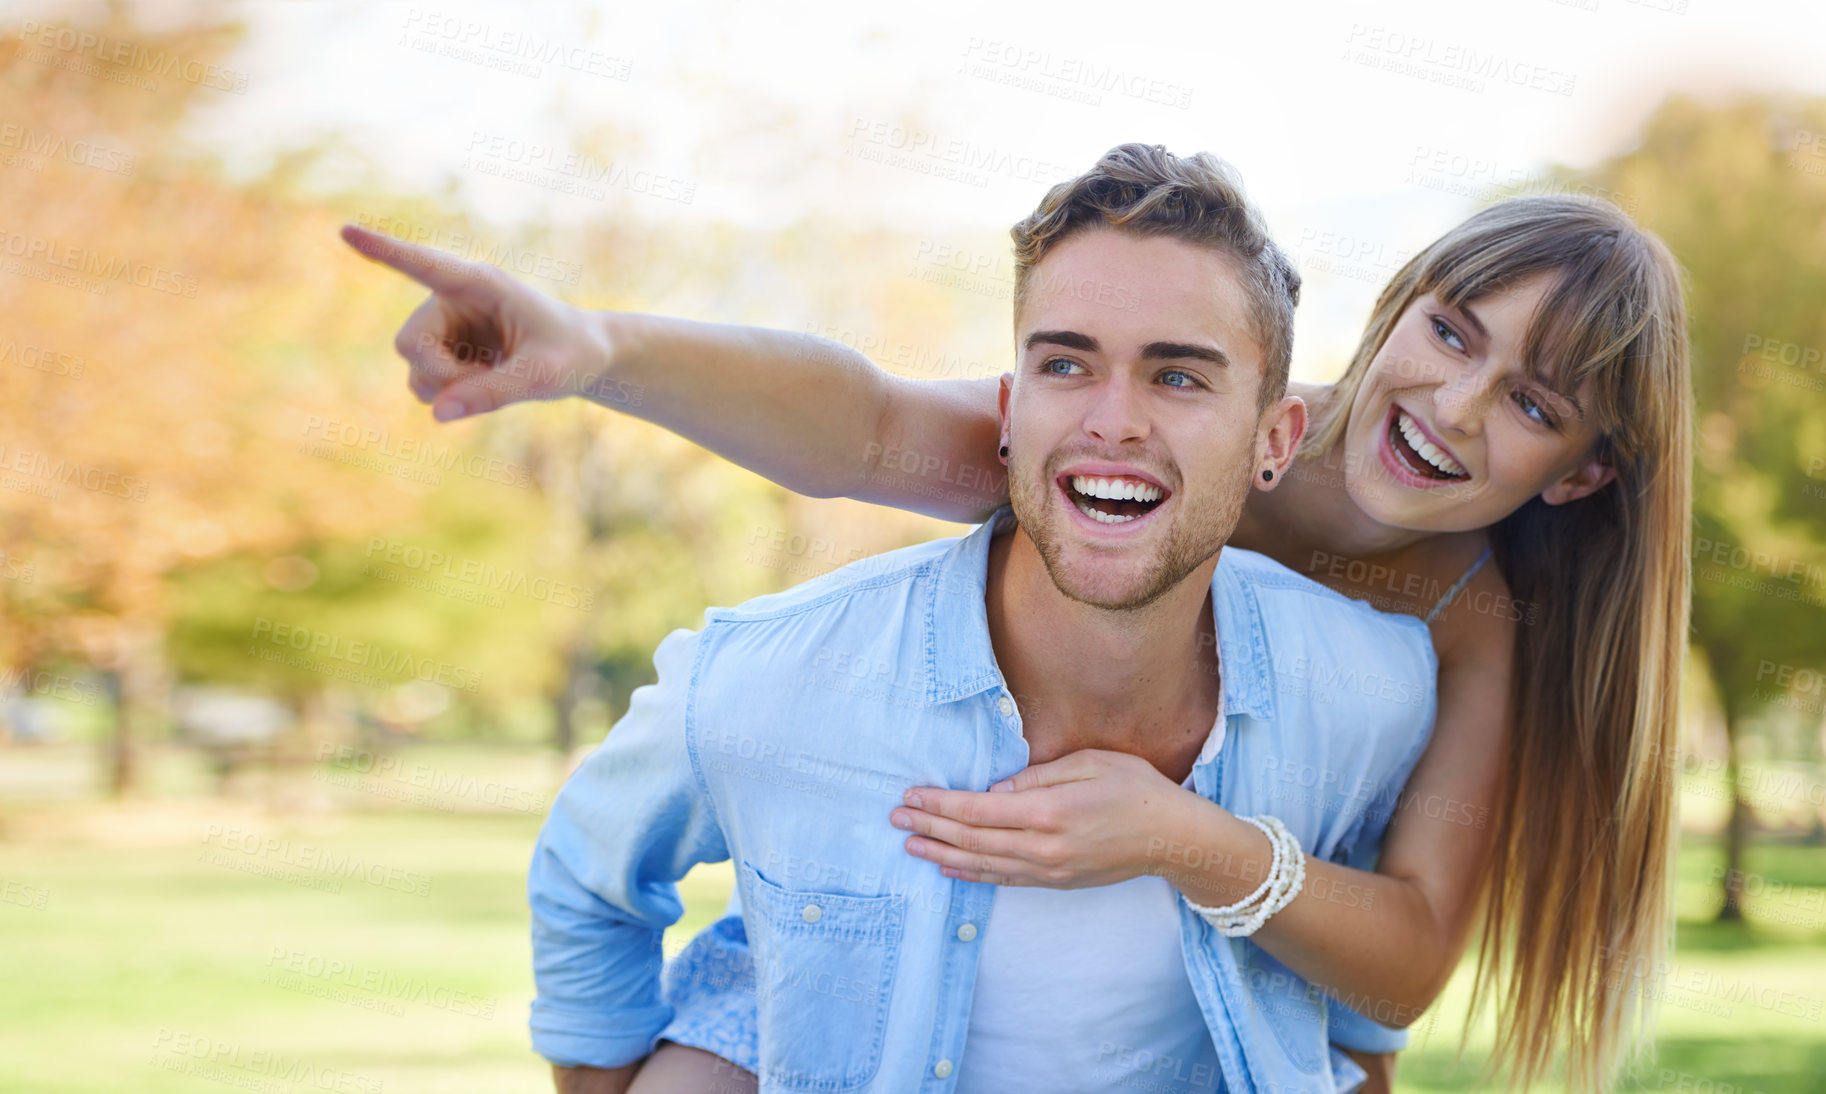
(1534, 410)
(1176, 378)
(1444, 332)
(1060, 366)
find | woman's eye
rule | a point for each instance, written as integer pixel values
(1446, 334)
(1052, 365)
(1533, 409)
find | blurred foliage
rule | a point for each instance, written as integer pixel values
(1738, 191)
(258, 456)
(284, 491)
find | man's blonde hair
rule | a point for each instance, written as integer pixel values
(1144, 189)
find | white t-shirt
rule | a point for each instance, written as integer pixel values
(1086, 990)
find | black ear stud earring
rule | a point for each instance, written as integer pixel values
(1004, 451)
(1267, 474)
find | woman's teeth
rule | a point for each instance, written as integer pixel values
(1428, 451)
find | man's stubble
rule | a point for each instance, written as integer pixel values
(1193, 536)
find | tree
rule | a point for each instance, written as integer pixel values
(177, 348)
(1738, 191)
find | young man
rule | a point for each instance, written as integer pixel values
(1136, 422)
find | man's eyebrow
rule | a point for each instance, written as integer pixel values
(1184, 351)
(1153, 351)
(1070, 339)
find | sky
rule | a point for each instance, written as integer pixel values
(1362, 130)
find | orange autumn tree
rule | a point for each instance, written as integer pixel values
(206, 419)
(178, 349)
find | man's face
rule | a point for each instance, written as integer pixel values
(1132, 434)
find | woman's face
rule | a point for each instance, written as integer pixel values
(1449, 433)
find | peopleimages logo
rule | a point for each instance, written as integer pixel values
(309, 644)
(469, 246)
(387, 775)
(1062, 76)
(482, 575)
(263, 1070)
(49, 470)
(1454, 64)
(569, 171)
(132, 56)
(28, 141)
(52, 362)
(345, 980)
(105, 267)
(954, 158)
(470, 40)
(310, 865)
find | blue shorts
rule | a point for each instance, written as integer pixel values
(710, 985)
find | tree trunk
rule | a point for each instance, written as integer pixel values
(579, 684)
(142, 700)
(117, 751)
(1737, 828)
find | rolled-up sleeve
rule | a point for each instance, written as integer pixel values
(626, 826)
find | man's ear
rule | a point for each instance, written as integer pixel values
(1277, 438)
(1004, 392)
(1591, 476)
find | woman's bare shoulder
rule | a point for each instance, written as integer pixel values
(1478, 624)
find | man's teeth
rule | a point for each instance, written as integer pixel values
(1115, 489)
(1105, 518)
(1428, 450)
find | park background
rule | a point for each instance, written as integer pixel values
(227, 861)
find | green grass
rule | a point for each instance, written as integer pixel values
(126, 944)
(147, 948)
(1742, 1010)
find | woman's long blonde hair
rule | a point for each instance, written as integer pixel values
(1577, 914)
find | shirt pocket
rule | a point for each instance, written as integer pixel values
(824, 971)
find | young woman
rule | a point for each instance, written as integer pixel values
(1506, 455)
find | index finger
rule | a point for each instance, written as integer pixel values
(1069, 768)
(978, 808)
(436, 270)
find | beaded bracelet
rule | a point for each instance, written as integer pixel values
(1289, 879)
(1246, 917)
(1286, 877)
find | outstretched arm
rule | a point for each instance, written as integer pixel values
(812, 414)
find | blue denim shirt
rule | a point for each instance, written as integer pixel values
(783, 733)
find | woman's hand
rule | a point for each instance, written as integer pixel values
(1089, 818)
(483, 340)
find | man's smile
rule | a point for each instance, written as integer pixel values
(1110, 495)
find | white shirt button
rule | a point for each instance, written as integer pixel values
(942, 1068)
(1005, 705)
(812, 913)
(966, 933)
